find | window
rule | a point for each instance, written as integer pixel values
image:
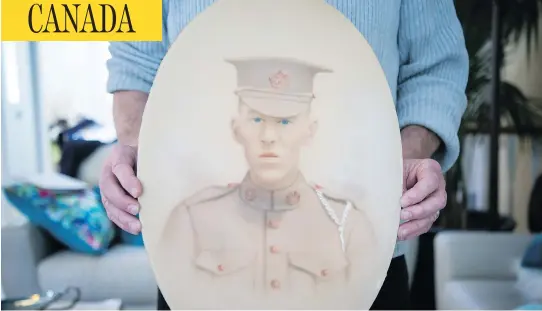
(11, 72)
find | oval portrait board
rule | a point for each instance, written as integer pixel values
(270, 158)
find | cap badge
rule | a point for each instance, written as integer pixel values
(278, 80)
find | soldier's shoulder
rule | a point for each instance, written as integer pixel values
(208, 194)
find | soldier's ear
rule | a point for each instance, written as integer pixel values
(313, 128)
(234, 126)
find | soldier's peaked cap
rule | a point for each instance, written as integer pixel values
(274, 86)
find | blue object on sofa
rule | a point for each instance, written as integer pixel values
(533, 255)
(530, 307)
(77, 219)
(130, 239)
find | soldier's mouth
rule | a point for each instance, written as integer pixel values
(268, 155)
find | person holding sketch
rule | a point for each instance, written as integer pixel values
(421, 48)
(274, 234)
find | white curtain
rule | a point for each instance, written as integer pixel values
(519, 165)
(476, 171)
(505, 191)
(523, 182)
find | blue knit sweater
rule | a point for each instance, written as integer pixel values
(419, 44)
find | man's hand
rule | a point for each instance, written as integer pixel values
(424, 195)
(119, 185)
(424, 192)
(120, 188)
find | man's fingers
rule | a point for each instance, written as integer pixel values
(414, 228)
(427, 183)
(127, 178)
(125, 221)
(122, 167)
(434, 203)
(115, 195)
(116, 181)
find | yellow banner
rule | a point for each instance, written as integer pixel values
(90, 20)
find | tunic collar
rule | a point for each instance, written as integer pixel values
(280, 200)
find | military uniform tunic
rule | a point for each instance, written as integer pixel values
(240, 246)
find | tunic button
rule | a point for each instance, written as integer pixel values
(273, 224)
(274, 249)
(250, 195)
(220, 268)
(292, 198)
(275, 284)
(324, 272)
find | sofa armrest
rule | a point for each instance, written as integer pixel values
(476, 255)
(23, 247)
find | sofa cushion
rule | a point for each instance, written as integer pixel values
(481, 295)
(76, 218)
(123, 272)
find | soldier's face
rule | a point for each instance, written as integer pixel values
(272, 145)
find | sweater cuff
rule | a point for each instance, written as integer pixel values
(437, 116)
(126, 81)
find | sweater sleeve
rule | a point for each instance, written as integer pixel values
(133, 65)
(433, 72)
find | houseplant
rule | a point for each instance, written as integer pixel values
(519, 19)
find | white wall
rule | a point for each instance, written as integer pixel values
(73, 79)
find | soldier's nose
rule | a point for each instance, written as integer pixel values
(268, 135)
(268, 141)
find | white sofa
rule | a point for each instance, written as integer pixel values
(31, 265)
(31, 262)
(476, 270)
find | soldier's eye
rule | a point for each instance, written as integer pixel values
(284, 122)
(257, 119)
